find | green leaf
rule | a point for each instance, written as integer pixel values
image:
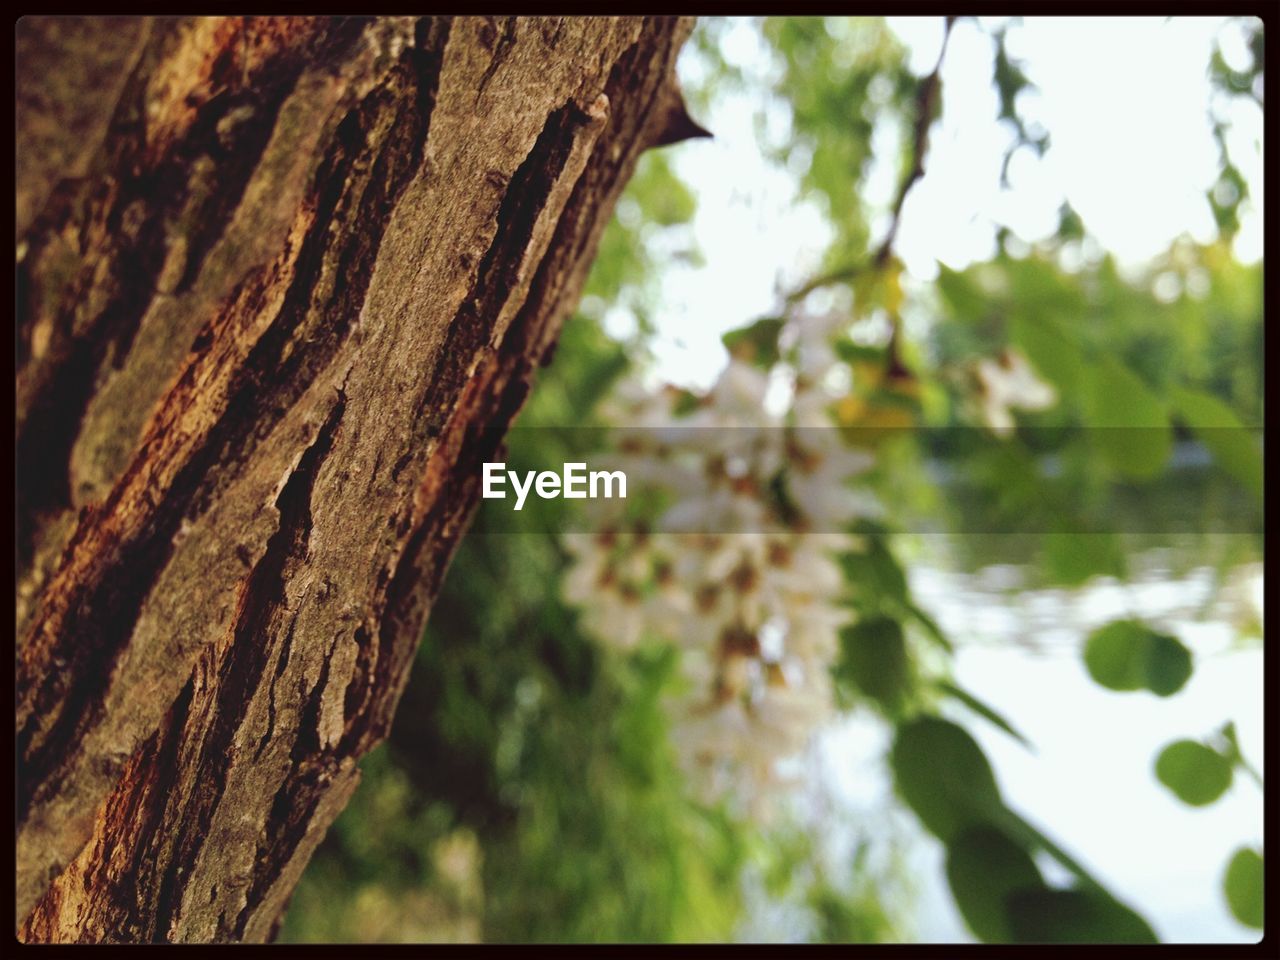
(983, 710)
(1070, 226)
(943, 775)
(1168, 665)
(930, 627)
(874, 660)
(1044, 915)
(668, 199)
(1072, 558)
(1130, 425)
(1235, 446)
(851, 352)
(1056, 357)
(1228, 733)
(1242, 885)
(961, 294)
(875, 576)
(1128, 655)
(1197, 774)
(756, 343)
(1026, 833)
(984, 867)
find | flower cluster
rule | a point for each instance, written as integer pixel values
(737, 562)
(1007, 382)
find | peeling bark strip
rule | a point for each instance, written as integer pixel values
(283, 284)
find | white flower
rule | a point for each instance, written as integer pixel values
(713, 733)
(814, 358)
(786, 717)
(751, 593)
(711, 612)
(827, 503)
(618, 614)
(585, 573)
(721, 555)
(738, 396)
(813, 633)
(823, 450)
(717, 511)
(811, 409)
(633, 404)
(1008, 382)
(803, 568)
(668, 606)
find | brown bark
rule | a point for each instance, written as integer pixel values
(283, 283)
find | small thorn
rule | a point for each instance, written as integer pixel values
(676, 124)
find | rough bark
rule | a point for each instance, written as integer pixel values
(282, 285)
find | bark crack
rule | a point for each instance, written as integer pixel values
(225, 627)
(57, 706)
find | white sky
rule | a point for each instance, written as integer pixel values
(1126, 104)
(1125, 101)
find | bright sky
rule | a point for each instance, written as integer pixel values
(1126, 103)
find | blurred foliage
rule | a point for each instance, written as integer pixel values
(529, 790)
(1198, 774)
(650, 225)
(840, 75)
(1242, 885)
(1231, 190)
(1128, 655)
(1010, 83)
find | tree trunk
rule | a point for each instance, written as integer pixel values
(282, 284)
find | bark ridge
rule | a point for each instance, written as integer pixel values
(283, 283)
